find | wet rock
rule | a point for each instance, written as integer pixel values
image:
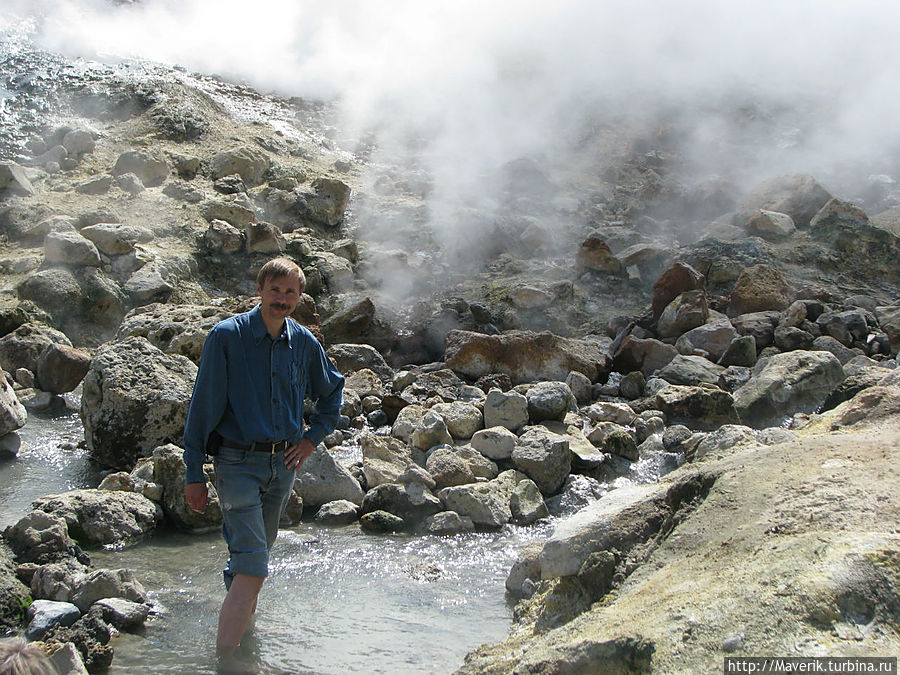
(121, 613)
(40, 537)
(760, 288)
(101, 517)
(524, 356)
(61, 368)
(321, 479)
(785, 384)
(413, 501)
(105, 583)
(337, 513)
(544, 457)
(381, 521)
(149, 168)
(135, 398)
(42, 615)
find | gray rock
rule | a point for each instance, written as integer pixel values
(463, 420)
(14, 180)
(321, 480)
(248, 162)
(687, 311)
(741, 352)
(505, 409)
(691, 370)
(223, 237)
(40, 537)
(12, 413)
(785, 384)
(544, 457)
(771, 225)
(104, 583)
(548, 401)
(123, 614)
(134, 399)
(167, 469)
(114, 238)
(711, 340)
(42, 615)
(150, 169)
(174, 329)
(486, 504)
(55, 290)
(381, 521)
(526, 503)
(98, 185)
(577, 492)
(148, 284)
(448, 522)
(338, 512)
(496, 442)
(413, 502)
(430, 431)
(102, 517)
(696, 407)
(351, 357)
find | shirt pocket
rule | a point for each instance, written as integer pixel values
(298, 379)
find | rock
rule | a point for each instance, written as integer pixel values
(678, 279)
(889, 320)
(134, 399)
(114, 238)
(577, 492)
(632, 385)
(798, 196)
(847, 327)
(151, 170)
(430, 431)
(760, 325)
(496, 442)
(98, 185)
(548, 401)
(644, 354)
(328, 202)
(413, 502)
(760, 288)
(352, 357)
(524, 356)
(789, 338)
(350, 323)
(544, 457)
(62, 368)
(696, 407)
(223, 237)
(263, 238)
(505, 409)
(687, 311)
(130, 183)
(846, 227)
(322, 480)
(104, 583)
(872, 404)
(23, 347)
(610, 411)
(463, 420)
(785, 384)
(526, 567)
(530, 298)
(55, 290)
(102, 517)
(148, 285)
(55, 581)
(40, 537)
(771, 225)
(168, 470)
(580, 386)
(407, 420)
(727, 437)
(234, 211)
(448, 522)
(691, 370)
(250, 163)
(526, 503)
(174, 329)
(853, 383)
(712, 340)
(12, 413)
(14, 181)
(67, 659)
(337, 513)
(14, 595)
(458, 465)
(42, 615)
(594, 254)
(615, 440)
(486, 504)
(384, 459)
(78, 142)
(70, 248)
(381, 521)
(121, 613)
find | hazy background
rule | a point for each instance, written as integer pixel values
(745, 90)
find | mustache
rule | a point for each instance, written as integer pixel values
(280, 305)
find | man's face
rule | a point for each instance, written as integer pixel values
(280, 295)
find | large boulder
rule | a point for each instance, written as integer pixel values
(328, 201)
(689, 310)
(505, 409)
(385, 459)
(797, 195)
(55, 290)
(102, 517)
(40, 538)
(760, 288)
(644, 354)
(711, 339)
(174, 329)
(135, 398)
(787, 383)
(696, 407)
(486, 504)
(248, 162)
(147, 166)
(679, 278)
(70, 248)
(524, 356)
(412, 501)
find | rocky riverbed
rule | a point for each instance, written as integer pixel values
(597, 334)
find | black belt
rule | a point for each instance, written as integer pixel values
(270, 447)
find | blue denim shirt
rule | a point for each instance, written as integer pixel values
(251, 387)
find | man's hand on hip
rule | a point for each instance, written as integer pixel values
(196, 494)
(295, 455)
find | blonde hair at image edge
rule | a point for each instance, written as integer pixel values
(17, 657)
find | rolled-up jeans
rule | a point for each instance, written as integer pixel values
(253, 489)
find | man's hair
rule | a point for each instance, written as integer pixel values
(280, 267)
(17, 657)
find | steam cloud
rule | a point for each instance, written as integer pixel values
(464, 87)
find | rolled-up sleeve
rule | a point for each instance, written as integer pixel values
(207, 405)
(326, 387)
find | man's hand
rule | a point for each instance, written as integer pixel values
(295, 455)
(196, 494)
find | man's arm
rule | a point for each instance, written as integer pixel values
(207, 406)
(326, 387)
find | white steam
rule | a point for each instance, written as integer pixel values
(464, 87)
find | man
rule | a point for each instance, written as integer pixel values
(255, 371)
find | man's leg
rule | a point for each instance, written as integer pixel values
(236, 611)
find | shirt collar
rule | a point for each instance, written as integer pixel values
(258, 327)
